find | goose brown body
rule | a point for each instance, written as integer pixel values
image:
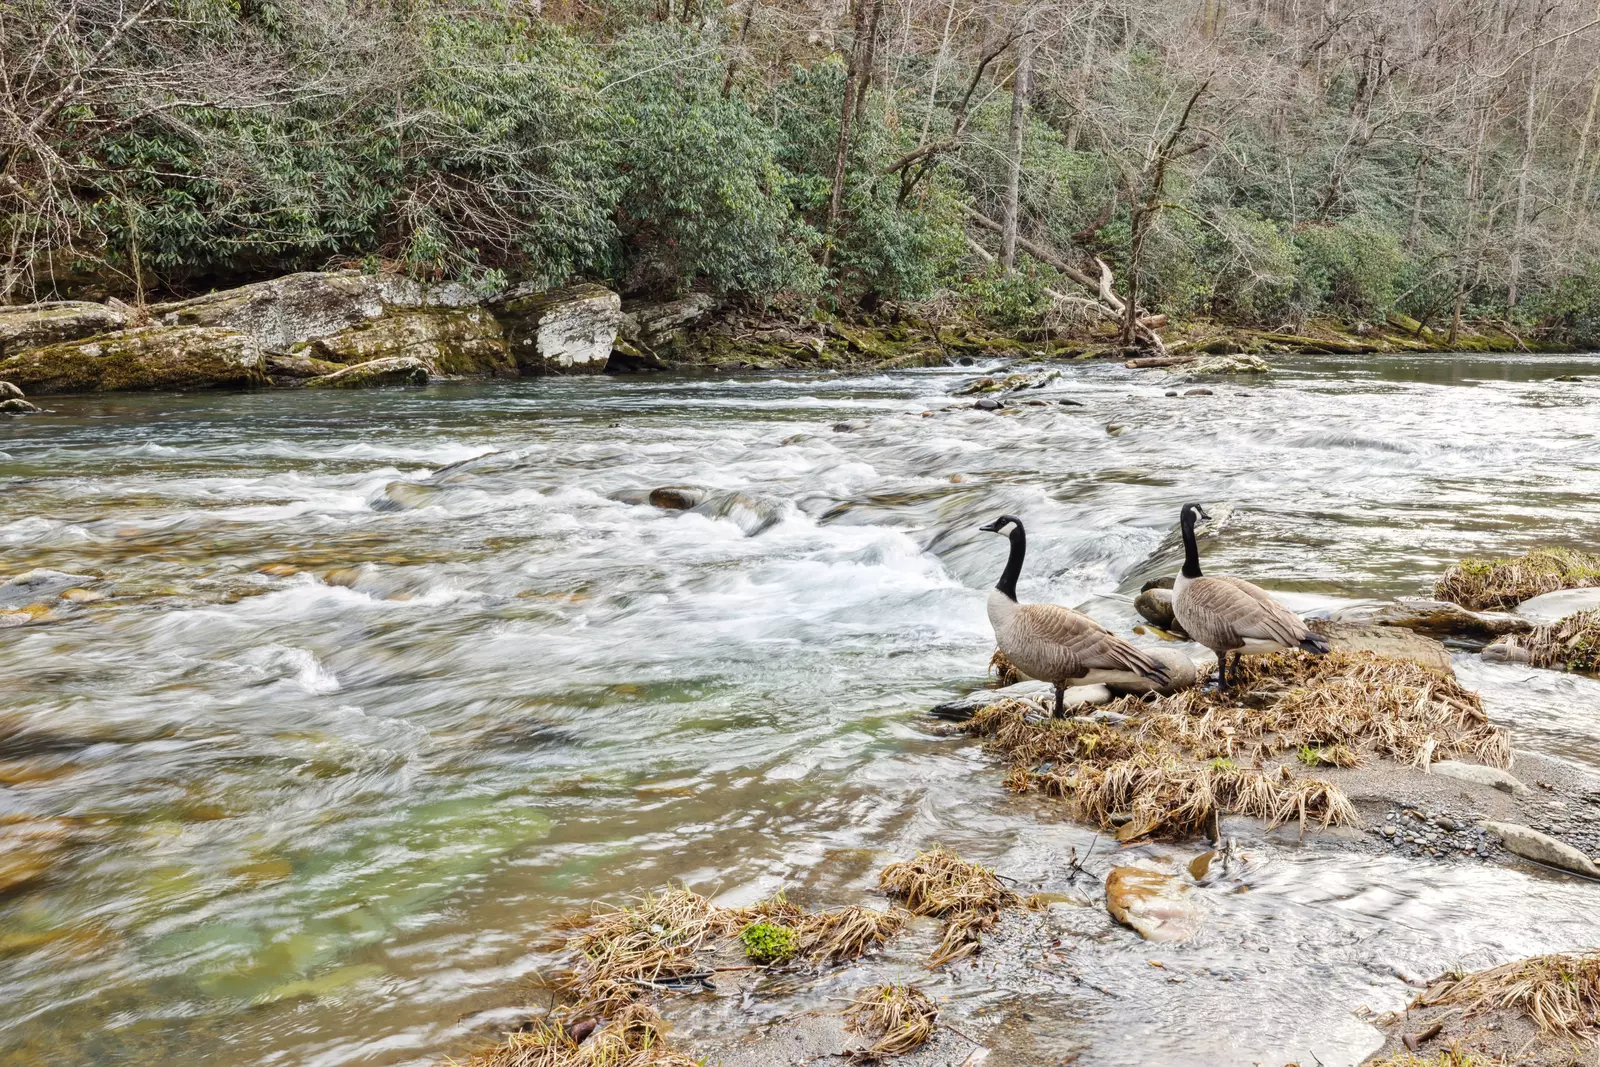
(1055, 644)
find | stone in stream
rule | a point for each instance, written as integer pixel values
(1156, 606)
(751, 514)
(1158, 906)
(375, 373)
(988, 403)
(40, 585)
(1390, 641)
(402, 496)
(1181, 674)
(1077, 698)
(151, 357)
(677, 497)
(1553, 607)
(10, 392)
(1228, 365)
(1437, 618)
(1530, 844)
(565, 331)
(1493, 777)
(15, 406)
(658, 323)
(34, 325)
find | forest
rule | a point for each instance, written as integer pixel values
(1259, 162)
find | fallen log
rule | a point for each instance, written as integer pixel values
(1159, 361)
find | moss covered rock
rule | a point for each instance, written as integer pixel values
(451, 341)
(396, 370)
(563, 331)
(153, 357)
(32, 325)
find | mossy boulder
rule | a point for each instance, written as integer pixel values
(26, 326)
(561, 331)
(451, 341)
(303, 307)
(375, 373)
(152, 357)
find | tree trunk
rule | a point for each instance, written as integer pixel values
(1514, 272)
(858, 73)
(1021, 84)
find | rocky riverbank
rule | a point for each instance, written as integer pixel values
(309, 329)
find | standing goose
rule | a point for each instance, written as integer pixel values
(1056, 644)
(1229, 615)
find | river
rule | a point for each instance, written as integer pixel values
(322, 815)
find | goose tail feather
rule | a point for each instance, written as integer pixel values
(1316, 644)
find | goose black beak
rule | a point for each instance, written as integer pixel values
(993, 527)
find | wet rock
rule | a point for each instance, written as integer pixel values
(1156, 606)
(300, 365)
(1503, 651)
(564, 331)
(988, 404)
(15, 406)
(677, 497)
(1197, 392)
(1391, 641)
(1439, 618)
(286, 311)
(10, 392)
(1493, 777)
(403, 496)
(1070, 403)
(39, 585)
(1228, 365)
(24, 326)
(449, 341)
(376, 373)
(1553, 607)
(1158, 906)
(1115, 429)
(1043, 693)
(152, 357)
(850, 425)
(750, 513)
(1530, 844)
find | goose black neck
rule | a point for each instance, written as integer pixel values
(1019, 548)
(1191, 550)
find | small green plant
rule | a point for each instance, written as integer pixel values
(1311, 757)
(1223, 765)
(769, 943)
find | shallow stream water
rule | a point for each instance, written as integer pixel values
(323, 817)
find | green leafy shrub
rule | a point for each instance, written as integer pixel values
(769, 943)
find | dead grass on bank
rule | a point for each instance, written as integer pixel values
(968, 897)
(1558, 993)
(1449, 1057)
(1572, 642)
(900, 1019)
(1493, 584)
(623, 957)
(1180, 761)
(1004, 673)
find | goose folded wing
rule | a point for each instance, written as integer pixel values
(1251, 612)
(1082, 644)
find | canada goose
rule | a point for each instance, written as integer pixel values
(1056, 644)
(1229, 615)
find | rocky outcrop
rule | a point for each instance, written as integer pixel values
(451, 341)
(375, 373)
(33, 325)
(1390, 641)
(286, 311)
(151, 357)
(293, 369)
(566, 331)
(1158, 906)
(657, 324)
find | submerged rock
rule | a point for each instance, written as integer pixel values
(1530, 844)
(402, 496)
(1159, 907)
(564, 331)
(677, 497)
(39, 585)
(1077, 698)
(752, 514)
(16, 406)
(34, 325)
(376, 373)
(463, 341)
(152, 357)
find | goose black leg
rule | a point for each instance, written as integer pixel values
(1061, 702)
(1222, 672)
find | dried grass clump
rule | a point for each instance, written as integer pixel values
(1489, 584)
(622, 951)
(1165, 793)
(1572, 642)
(1011, 729)
(1004, 673)
(634, 1037)
(966, 896)
(1559, 993)
(900, 1018)
(845, 934)
(1450, 1057)
(1354, 699)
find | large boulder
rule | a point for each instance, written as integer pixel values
(32, 325)
(451, 341)
(151, 357)
(564, 331)
(303, 307)
(656, 324)
(375, 373)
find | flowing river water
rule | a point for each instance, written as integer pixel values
(323, 817)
